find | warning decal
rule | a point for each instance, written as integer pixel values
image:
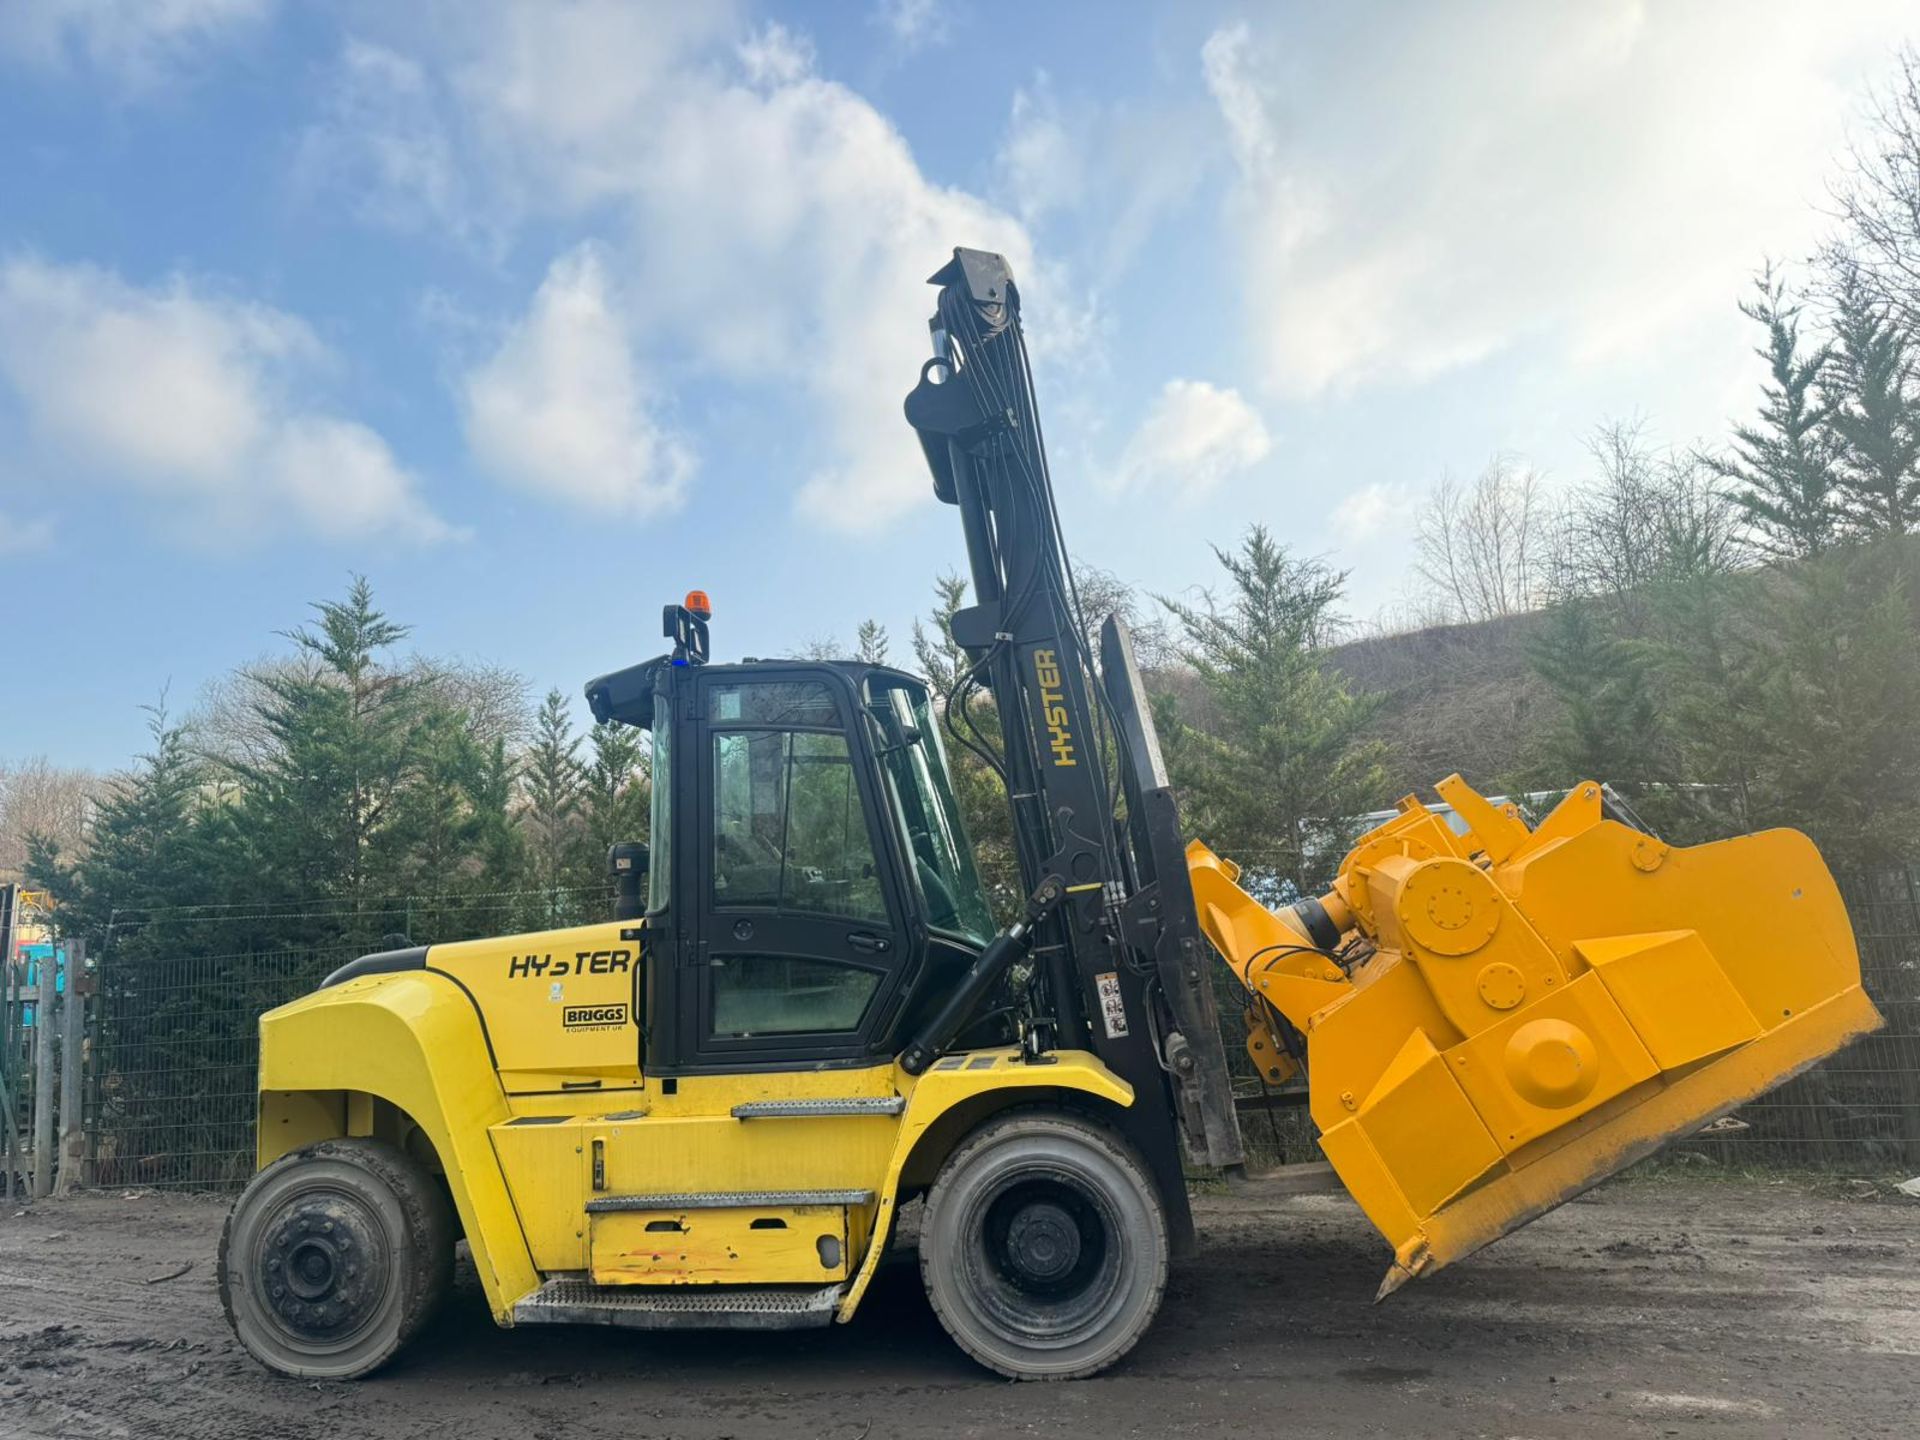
(1113, 1010)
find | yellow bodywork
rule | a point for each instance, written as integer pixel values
(1512, 1015)
(1515, 1014)
(513, 1065)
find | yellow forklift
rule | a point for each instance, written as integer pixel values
(708, 1110)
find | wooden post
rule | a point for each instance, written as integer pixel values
(73, 1044)
(43, 1092)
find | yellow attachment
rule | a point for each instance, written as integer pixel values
(1517, 1013)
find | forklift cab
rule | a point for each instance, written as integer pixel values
(811, 888)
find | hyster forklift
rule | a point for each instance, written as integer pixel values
(709, 1109)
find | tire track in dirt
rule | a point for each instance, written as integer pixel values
(1657, 1308)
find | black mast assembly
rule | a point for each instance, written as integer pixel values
(1121, 967)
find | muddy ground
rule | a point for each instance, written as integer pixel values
(1654, 1307)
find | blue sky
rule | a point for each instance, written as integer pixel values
(540, 314)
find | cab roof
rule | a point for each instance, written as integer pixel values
(626, 696)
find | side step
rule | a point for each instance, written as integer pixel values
(727, 1200)
(570, 1300)
(819, 1109)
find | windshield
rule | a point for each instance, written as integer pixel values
(920, 791)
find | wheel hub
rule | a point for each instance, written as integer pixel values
(1043, 1242)
(321, 1267)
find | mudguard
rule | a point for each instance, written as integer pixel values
(414, 1040)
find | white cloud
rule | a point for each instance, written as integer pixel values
(913, 24)
(1595, 180)
(1226, 59)
(776, 229)
(774, 55)
(1373, 510)
(1193, 437)
(1041, 156)
(560, 409)
(138, 42)
(343, 481)
(20, 536)
(186, 396)
(566, 91)
(1096, 176)
(382, 146)
(771, 230)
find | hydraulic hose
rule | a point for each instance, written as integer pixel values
(1006, 947)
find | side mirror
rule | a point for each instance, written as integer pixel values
(627, 862)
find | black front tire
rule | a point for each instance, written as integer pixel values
(1044, 1246)
(334, 1257)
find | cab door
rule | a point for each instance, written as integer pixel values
(799, 920)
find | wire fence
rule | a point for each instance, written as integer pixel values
(176, 1026)
(177, 1053)
(1860, 1110)
(176, 1047)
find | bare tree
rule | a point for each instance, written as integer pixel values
(39, 798)
(1653, 515)
(495, 699)
(227, 723)
(1103, 593)
(1880, 195)
(1482, 546)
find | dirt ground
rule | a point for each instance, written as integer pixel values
(1653, 1307)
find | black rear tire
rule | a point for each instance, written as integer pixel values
(1044, 1246)
(334, 1257)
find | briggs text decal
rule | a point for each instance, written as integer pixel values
(594, 1017)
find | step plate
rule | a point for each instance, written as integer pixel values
(727, 1200)
(819, 1109)
(680, 1307)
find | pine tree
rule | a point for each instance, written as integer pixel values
(1874, 411)
(1838, 687)
(1609, 725)
(1783, 466)
(941, 660)
(146, 855)
(1707, 644)
(616, 797)
(498, 847)
(343, 738)
(1286, 769)
(973, 735)
(551, 782)
(870, 643)
(453, 826)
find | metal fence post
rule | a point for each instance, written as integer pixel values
(73, 1044)
(15, 1155)
(10, 1125)
(43, 1097)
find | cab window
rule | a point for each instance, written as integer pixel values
(787, 995)
(789, 830)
